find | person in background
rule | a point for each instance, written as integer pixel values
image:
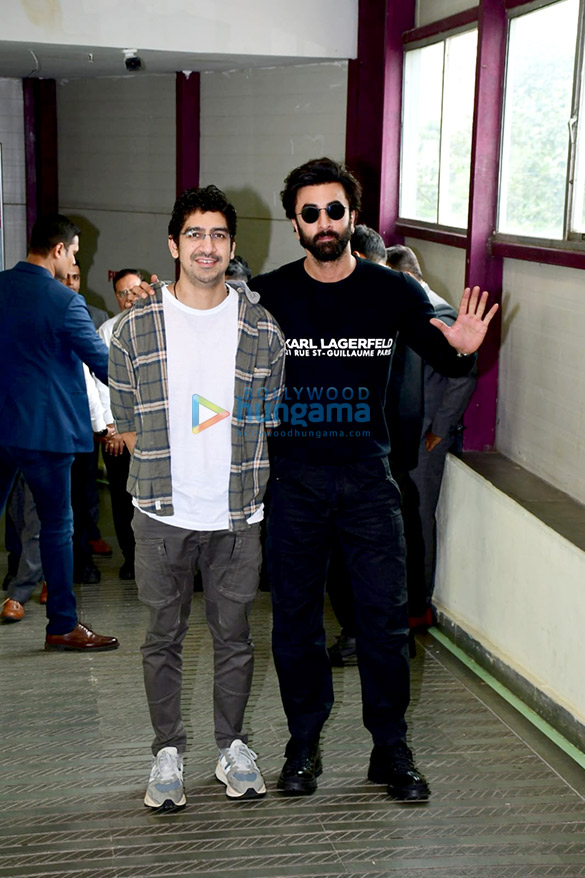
(115, 454)
(24, 519)
(83, 474)
(238, 269)
(73, 281)
(444, 404)
(95, 541)
(44, 412)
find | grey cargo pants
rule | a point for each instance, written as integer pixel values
(166, 560)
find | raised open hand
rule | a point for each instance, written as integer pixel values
(468, 331)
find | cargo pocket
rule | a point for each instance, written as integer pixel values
(154, 576)
(234, 563)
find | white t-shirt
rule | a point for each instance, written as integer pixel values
(201, 355)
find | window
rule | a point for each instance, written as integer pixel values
(437, 121)
(534, 196)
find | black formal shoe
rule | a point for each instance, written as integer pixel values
(301, 769)
(126, 571)
(395, 766)
(90, 575)
(343, 652)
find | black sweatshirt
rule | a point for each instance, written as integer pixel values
(340, 338)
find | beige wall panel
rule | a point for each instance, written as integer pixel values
(429, 11)
(256, 126)
(117, 174)
(442, 267)
(513, 584)
(541, 416)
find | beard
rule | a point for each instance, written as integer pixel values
(326, 251)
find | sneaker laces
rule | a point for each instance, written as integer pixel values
(166, 766)
(243, 757)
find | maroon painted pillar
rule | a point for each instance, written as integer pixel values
(365, 106)
(482, 268)
(188, 103)
(374, 106)
(401, 17)
(40, 137)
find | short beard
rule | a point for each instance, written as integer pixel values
(327, 251)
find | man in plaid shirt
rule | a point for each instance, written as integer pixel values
(196, 373)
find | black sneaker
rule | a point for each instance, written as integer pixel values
(301, 769)
(395, 766)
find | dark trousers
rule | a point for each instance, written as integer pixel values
(22, 511)
(82, 486)
(117, 467)
(427, 478)
(338, 578)
(360, 505)
(48, 475)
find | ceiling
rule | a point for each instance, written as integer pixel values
(22, 60)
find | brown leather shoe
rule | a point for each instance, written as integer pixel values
(43, 594)
(81, 639)
(12, 611)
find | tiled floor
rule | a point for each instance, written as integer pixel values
(75, 760)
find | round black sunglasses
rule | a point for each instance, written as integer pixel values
(310, 213)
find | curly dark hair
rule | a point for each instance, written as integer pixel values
(208, 198)
(315, 172)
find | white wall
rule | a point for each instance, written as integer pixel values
(429, 11)
(303, 29)
(541, 413)
(513, 584)
(13, 175)
(117, 174)
(442, 267)
(256, 126)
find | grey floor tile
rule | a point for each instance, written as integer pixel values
(76, 748)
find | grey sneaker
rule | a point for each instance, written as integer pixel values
(237, 769)
(165, 786)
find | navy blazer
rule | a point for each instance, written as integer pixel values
(45, 333)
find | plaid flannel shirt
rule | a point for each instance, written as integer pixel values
(140, 402)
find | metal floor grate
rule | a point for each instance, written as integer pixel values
(76, 757)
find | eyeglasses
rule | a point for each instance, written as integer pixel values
(122, 293)
(197, 235)
(310, 214)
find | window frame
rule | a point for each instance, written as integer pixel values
(534, 247)
(569, 252)
(419, 38)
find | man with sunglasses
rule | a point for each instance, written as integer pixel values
(330, 476)
(184, 366)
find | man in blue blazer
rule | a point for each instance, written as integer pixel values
(45, 334)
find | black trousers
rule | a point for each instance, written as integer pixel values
(117, 467)
(359, 504)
